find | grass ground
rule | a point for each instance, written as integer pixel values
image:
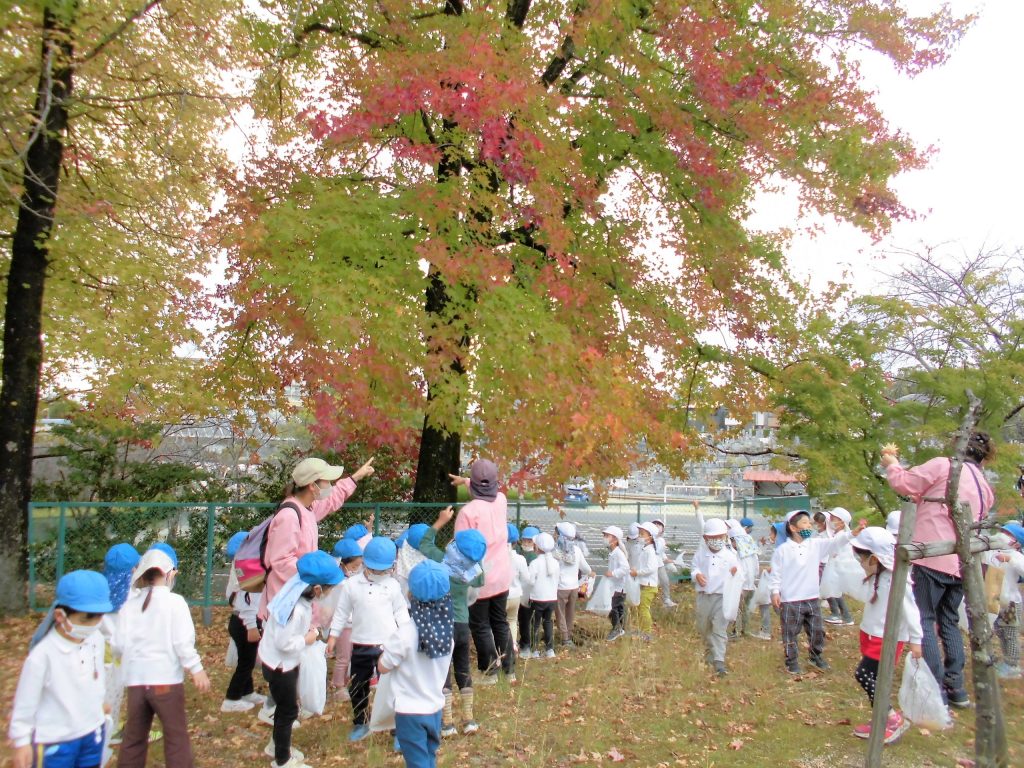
(626, 703)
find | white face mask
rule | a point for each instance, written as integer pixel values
(324, 492)
(715, 545)
(376, 578)
(81, 631)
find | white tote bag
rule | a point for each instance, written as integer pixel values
(382, 714)
(731, 595)
(313, 678)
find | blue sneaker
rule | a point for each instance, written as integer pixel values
(359, 732)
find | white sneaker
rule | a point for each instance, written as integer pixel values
(255, 698)
(293, 763)
(236, 705)
(296, 753)
(266, 716)
(549, 653)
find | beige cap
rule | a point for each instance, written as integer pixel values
(310, 470)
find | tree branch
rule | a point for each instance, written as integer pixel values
(117, 31)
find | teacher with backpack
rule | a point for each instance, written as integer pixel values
(317, 489)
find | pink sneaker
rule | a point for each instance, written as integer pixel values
(862, 731)
(895, 727)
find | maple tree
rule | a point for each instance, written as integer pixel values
(522, 225)
(108, 162)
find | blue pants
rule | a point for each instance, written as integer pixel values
(938, 596)
(419, 735)
(83, 752)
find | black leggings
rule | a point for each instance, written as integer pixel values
(285, 688)
(241, 680)
(866, 674)
(524, 616)
(460, 660)
(542, 612)
(364, 662)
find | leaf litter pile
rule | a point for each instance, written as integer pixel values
(626, 703)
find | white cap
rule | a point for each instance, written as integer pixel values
(651, 528)
(566, 529)
(715, 527)
(310, 470)
(735, 529)
(892, 522)
(659, 521)
(152, 558)
(544, 542)
(795, 512)
(613, 530)
(634, 531)
(841, 513)
(878, 542)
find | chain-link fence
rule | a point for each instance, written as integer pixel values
(64, 536)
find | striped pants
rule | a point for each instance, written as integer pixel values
(1007, 629)
(802, 615)
(938, 596)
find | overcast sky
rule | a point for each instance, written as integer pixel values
(971, 111)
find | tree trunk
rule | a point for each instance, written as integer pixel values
(23, 343)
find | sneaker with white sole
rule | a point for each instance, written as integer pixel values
(236, 705)
(615, 634)
(266, 715)
(834, 620)
(255, 698)
(292, 763)
(448, 731)
(296, 753)
(471, 726)
(895, 727)
(549, 653)
(862, 731)
(1006, 672)
(762, 635)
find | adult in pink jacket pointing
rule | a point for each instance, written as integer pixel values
(938, 587)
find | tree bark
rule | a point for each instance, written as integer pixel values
(23, 342)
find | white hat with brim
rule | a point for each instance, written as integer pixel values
(566, 529)
(308, 471)
(892, 522)
(796, 512)
(544, 542)
(651, 528)
(715, 527)
(613, 530)
(878, 542)
(153, 558)
(634, 531)
(840, 513)
(735, 529)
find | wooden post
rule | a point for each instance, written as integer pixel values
(890, 639)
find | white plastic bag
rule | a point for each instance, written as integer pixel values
(920, 697)
(762, 594)
(382, 714)
(632, 591)
(848, 575)
(600, 601)
(731, 595)
(829, 586)
(108, 750)
(231, 654)
(313, 678)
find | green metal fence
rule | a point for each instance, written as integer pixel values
(67, 535)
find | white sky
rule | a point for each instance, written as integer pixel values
(971, 111)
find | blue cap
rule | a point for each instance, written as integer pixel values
(1016, 530)
(168, 550)
(472, 544)
(121, 557)
(84, 591)
(415, 534)
(235, 542)
(356, 531)
(347, 548)
(746, 522)
(318, 567)
(380, 553)
(401, 538)
(428, 581)
(530, 532)
(513, 534)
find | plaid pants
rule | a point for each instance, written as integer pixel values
(802, 615)
(1007, 629)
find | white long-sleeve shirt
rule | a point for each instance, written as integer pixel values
(418, 682)
(281, 646)
(520, 586)
(60, 691)
(247, 606)
(158, 645)
(794, 574)
(544, 572)
(873, 621)
(1014, 571)
(377, 609)
(569, 573)
(715, 567)
(618, 566)
(646, 566)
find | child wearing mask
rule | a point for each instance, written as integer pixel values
(244, 630)
(461, 560)
(660, 549)
(374, 601)
(524, 614)
(156, 640)
(836, 521)
(618, 571)
(875, 548)
(350, 558)
(544, 571)
(646, 572)
(746, 553)
(713, 564)
(418, 655)
(287, 631)
(519, 589)
(57, 717)
(795, 588)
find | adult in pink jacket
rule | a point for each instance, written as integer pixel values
(317, 489)
(938, 587)
(487, 512)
